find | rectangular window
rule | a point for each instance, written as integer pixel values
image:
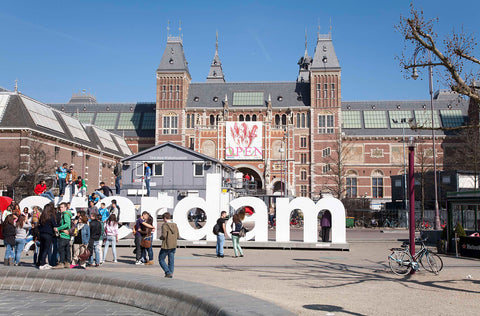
(326, 152)
(157, 169)
(303, 190)
(303, 142)
(170, 93)
(333, 90)
(325, 124)
(319, 91)
(139, 169)
(198, 169)
(377, 187)
(177, 93)
(164, 92)
(303, 159)
(352, 187)
(170, 124)
(192, 143)
(303, 174)
(325, 91)
(326, 168)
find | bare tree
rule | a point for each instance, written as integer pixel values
(41, 161)
(454, 55)
(335, 159)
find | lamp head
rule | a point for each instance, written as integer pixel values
(414, 73)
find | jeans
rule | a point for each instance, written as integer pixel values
(19, 245)
(53, 252)
(147, 184)
(45, 247)
(171, 260)
(220, 243)
(9, 250)
(62, 183)
(64, 250)
(270, 219)
(325, 233)
(148, 251)
(113, 240)
(100, 194)
(236, 245)
(48, 195)
(96, 250)
(117, 184)
(138, 248)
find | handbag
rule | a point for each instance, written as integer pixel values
(145, 243)
(242, 232)
(83, 256)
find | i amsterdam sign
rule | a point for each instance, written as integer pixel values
(211, 205)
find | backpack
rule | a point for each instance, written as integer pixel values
(216, 229)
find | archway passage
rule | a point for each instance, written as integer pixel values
(255, 186)
(279, 188)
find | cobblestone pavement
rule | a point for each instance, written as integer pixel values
(27, 303)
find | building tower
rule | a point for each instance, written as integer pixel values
(325, 91)
(173, 80)
(216, 73)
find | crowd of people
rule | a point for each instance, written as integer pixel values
(61, 240)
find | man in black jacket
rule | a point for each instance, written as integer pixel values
(103, 191)
(95, 235)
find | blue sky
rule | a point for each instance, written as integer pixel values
(112, 48)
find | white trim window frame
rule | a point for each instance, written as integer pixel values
(198, 166)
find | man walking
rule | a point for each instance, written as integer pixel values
(64, 240)
(169, 245)
(221, 234)
(95, 235)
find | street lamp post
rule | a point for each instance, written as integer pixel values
(411, 189)
(403, 121)
(430, 85)
(282, 184)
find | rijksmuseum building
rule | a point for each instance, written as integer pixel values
(289, 136)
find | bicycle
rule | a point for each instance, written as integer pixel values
(401, 261)
(390, 223)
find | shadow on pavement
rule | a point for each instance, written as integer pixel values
(330, 309)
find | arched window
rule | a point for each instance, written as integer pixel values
(212, 120)
(240, 118)
(247, 117)
(284, 120)
(303, 120)
(254, 117)
(303, 174)
(298, 120)
(188, 120)
(277, 120)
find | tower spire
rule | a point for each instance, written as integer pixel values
(216, 73)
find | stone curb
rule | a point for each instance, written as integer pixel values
(152, 293)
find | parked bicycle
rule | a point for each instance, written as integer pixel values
(390, 223)
(401, 261)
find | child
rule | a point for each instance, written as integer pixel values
(104, 212)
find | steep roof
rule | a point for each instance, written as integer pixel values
(281, 94)
(18, 111)
(216, 73)
(180, 148)
(324, 57)
(173, 59)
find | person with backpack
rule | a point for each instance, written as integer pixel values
(219, 230)
(80, 241)
(236, 227)
(64, 248)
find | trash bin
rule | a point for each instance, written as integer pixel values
(349, 222)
